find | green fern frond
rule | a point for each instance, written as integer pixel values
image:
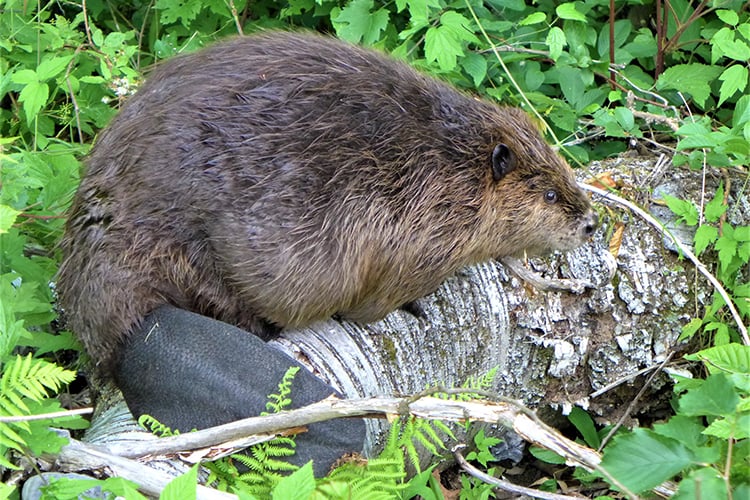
(263, 464)
(32, 378)
(380, 478)
(155, 427)
(25, 381)
(282, 400)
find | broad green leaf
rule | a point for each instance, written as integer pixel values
(734, 80)
(703, 483)
(8, 217)
(441, 45)
(533, 75)
(732, 358)
(624, 117)
(476, 66)
(689, 329)
(686, 430)
(420, 10)
(735, 426)
(358, 24)
(33, 96)
(535, 18)
(683, 209)
(724, 43)
(556, 41)
(568, 11)
(705, 235)
(585, 425)
(546, 455)
(50, 68)
(517, 5)
(459, 25)
(715, 397)
(643, 459)
(707, 140)
(297, 486)
(184, 11)
(715, 208)
(571, 84)
(720, 331)
(727, 247)
(97, 36)
(728, 16)
(24, 76)
(182, 487)
(694, 79)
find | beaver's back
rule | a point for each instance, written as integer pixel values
(282, 178)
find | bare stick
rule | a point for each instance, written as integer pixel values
(501, 483)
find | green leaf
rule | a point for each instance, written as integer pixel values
(8, 217)
(183, 10)
(441, 45)
(731, 358)
(546, 455)
(24, 76)
(702, 483)
(33, 96)
(459, 25)
(476, 66)
(715, 208)
(298, 485)
(689, 329)
(556, 40)
(734, 80)
(728, 16)
(358, 24)
(686, 430)
(182, 487)
(724, 43)
(735, 426)
(571, 84)
(643, 459)
(585, 425)
(727, 247)
(50, 68)
(624, 117)
(568, 11)
(715, 397)
(685, 210)
(694, 79)
(535, 18)
(705, 236)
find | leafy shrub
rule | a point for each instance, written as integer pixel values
(66, 67)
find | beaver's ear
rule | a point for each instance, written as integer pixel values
(503, 161)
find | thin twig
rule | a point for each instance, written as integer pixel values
(632, 404)
(503, 484)
(45, 416)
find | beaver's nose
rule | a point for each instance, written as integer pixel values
(590, 222)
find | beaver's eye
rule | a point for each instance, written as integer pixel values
(550, 196)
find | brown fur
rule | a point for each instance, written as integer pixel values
(283, 178)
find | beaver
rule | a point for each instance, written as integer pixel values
(278, 179)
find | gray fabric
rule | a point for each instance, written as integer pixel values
(189, 371)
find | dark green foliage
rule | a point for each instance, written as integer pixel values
(65, 70)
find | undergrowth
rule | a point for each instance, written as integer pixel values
(674, 80)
